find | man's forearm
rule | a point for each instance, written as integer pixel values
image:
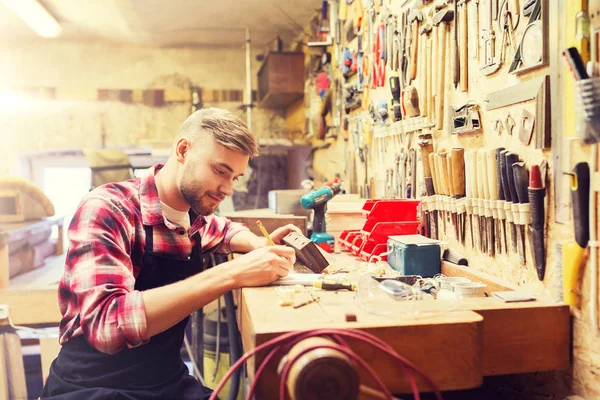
(167, 305)
(246, 241)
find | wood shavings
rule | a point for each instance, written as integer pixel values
(285, 295)
(376, 269)
(299, 289)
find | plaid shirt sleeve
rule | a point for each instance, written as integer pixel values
(98, 282)
(217, 233)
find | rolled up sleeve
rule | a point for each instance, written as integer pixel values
(218, 232)
(112, 314)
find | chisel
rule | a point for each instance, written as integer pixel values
(452, 198)
(432, 202)
(501, 196)
(509, 160)
(492, 174)
(458, 169)
(443, 177)
(469, 190)
(477, 200)
(489, 241)
(426, 150)
(536, 193)
(521, 176)
(573, 251)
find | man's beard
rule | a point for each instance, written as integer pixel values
(195, 195)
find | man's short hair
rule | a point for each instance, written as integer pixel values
(227, 129)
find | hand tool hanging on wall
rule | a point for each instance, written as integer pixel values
(414, 19)
(451, 200)
(469, 189)
(432, 201)
(485, 183)
(521, 176)
(396, 91)
(458, 171)
(501, 195)
(464, 45)
(491, 63)
(425, 62)
(477, 201)
(494, 195)
(455, 50)
(573, 252)
(426, 150)
(535, 15)
(441, 20)
(509, 160)
(536, 193)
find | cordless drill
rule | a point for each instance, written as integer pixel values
(317, 200)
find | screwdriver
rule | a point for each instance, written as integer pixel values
(573, 251)
(329, 284)
(536, 229)
(521, 176)
(501, 196)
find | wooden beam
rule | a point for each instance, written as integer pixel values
(32, 307)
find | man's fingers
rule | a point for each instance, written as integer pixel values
(283, 251)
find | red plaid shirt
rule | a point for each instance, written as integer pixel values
(107, 240)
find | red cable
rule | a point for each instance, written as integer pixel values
(367, 337)
(267, 359)
(344, 350)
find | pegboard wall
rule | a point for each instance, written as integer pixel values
(460, 92)
(500, 58)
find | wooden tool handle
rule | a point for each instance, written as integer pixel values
(434, 63)
(476, 173)
(464, 53)
(450, 168)
(440, 174)
(444, 175)
(483, 181)
(426, 150)
(423, 76)
(414, 49)
(492, 174)
(468, 173)
(458, 169)
(433, 167)
(441, 60)
(429, 73)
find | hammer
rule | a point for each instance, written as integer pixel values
(440, 20)
(425, 70)
(414, 18)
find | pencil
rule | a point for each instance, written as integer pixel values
(265, 233)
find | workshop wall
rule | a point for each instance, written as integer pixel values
(382, 141)
(31, 125)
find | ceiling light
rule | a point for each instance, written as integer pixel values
(36, 16)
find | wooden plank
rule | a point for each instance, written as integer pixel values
(457, 363)
(494, 284)
(32, 307)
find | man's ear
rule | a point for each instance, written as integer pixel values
(182, 147)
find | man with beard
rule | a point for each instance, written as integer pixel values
(133, 272)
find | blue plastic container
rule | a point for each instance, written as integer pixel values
(414, 255)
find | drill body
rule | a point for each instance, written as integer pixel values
(317, 200)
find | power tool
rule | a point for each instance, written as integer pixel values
(317, 200)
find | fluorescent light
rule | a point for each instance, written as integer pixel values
(36, 16)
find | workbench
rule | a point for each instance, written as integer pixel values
(455, 348)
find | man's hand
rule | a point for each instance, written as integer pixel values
(261, 266)
(278, 234)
